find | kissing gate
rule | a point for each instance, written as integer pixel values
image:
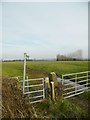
(34, 88)
(71, 85)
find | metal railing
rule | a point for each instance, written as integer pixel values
(75, 83)
(34, 88)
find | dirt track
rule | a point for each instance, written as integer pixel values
(37, 73)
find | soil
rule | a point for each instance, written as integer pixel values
(83, 103)
(37, 73)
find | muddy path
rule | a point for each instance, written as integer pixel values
(37, 73)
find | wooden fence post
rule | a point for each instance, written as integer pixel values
(53, 77)
(47, 86)
(52, 91)
(52, 82)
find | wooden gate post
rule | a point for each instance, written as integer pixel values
(47, 86)
(52, 82)
(53, 77)
(52, 91)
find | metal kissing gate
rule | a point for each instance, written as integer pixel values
(35, 89)
(75, 83)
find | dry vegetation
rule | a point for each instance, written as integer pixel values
(14, 104)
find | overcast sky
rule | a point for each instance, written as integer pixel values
(44, 30)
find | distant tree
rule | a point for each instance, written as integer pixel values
(61, 57)
(77, 55)
(58, 57)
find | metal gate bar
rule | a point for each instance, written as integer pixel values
(77, 83)
(29, 92)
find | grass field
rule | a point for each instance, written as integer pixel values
(42, 68)
(16, 104)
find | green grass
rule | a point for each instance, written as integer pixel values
(85, 96)
(60, 108)
(59, 67)
(12, 68)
